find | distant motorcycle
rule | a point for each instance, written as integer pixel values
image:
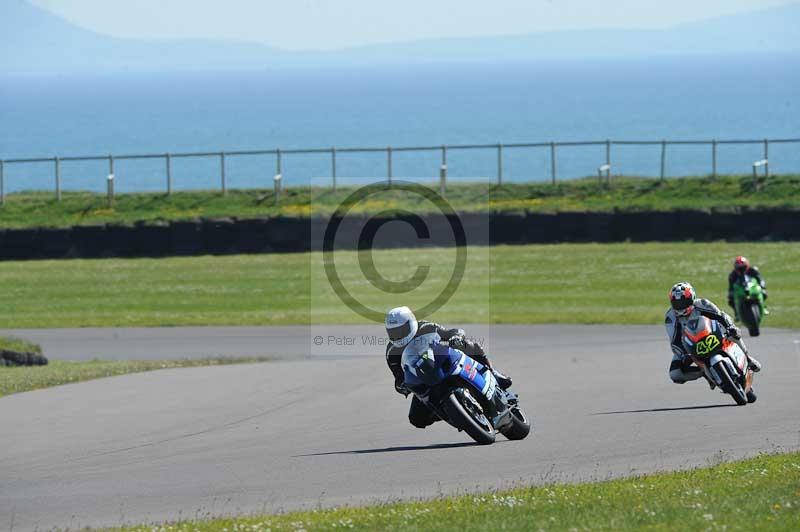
(465, 394)
(748, 298)
(722, 360)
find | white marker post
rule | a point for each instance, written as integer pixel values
(110, 189)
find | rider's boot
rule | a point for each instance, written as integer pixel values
(754, 364)
(502, 380)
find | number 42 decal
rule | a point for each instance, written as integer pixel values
(707, 345)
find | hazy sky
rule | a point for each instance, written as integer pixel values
(321, 24)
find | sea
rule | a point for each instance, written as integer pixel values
(731, 97)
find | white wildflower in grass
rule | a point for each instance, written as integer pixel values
(708, 517)
(507, 500)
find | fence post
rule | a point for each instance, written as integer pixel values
(389, 164)
(553, 161)
(444, 155)
(222, 172)
(499, 164)
(663, 157)
(111, 165)
(168, 159)
(442, 179)
(714, 158)
(57, 165)
(608, 158)
(278, 162)
(2, 184)
(333, 167)
(766, 158)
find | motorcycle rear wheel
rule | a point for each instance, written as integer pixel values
(464, 412)
(729, 385)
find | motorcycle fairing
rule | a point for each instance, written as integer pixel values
(475, 373)
(450, 362)
(706, 340)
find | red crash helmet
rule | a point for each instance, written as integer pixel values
(741, 264)
(681, 297)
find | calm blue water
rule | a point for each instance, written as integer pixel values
(728, 97)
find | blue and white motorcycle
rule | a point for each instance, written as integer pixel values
(464, 393)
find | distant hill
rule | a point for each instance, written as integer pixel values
(34, 41)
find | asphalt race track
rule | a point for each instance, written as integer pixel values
(319, 430)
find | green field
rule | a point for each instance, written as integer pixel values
(40, 209)
(758, 494)
(562, 283)
(57, 372)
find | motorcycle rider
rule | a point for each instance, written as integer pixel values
(741, 267)
(405, 332)
(685, 305)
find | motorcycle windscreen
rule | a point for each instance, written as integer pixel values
(444, 360)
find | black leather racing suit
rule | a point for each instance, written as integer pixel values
(418, 414)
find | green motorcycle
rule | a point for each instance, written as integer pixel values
(748, 297)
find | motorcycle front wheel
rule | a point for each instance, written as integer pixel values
(730, 385)
(751, 316)
(465, 413)
(755, 310)
(520, 425)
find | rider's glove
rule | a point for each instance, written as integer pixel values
(457, 342)
(400, 387)
(734, 332)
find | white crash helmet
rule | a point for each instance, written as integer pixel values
(401, 326)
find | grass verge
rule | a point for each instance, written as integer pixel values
(563, 283)
(19, 345)
(24, 379)
(40, 209)
(762, 493)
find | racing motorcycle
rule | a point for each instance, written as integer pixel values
(464, 393)
(748, 298)
(722, 360)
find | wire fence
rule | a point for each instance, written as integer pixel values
(605, 167)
